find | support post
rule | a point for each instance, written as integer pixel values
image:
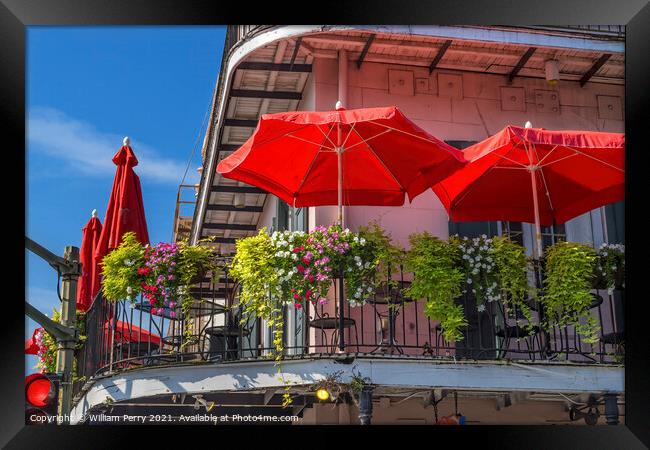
(65, 353)
(341, 311)
(365, 405)
(611, 409)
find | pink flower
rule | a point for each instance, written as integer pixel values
(296, 296)
(297, 305)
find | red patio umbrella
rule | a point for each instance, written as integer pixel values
(31, 347)
(88, 286)
(537, 176)
(372, 156)
(125, 332)
(125, 211)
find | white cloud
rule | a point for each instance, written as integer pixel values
(89, 151)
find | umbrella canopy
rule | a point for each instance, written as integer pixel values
(31, 347)
(125, 211)
(537, 176)
(372, 156)
(88, 286)
(125, 332)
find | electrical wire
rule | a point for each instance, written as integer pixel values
(198, 136)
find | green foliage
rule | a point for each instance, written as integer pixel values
(387, 257)
(119, 267)
(610, 267)
(569, 269)
(512, 275)
(437, 278)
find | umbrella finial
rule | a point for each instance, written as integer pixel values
(126, 141)
(528, 124)
(339, 105)
(93, 214)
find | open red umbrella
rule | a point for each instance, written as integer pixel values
(125, 332)
(88, 286)
(125, 211)
(31, 347)
(537, 176)
(372, 156)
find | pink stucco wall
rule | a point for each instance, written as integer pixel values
(451, 105)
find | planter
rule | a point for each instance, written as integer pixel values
(200, 275)
(600, 282)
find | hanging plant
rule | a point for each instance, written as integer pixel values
(48, 348)
(479, 269)
(511, 269)
(610, 267)
(294, 267)
(162, 273)
(569, 269)
(437, 279)
(388, 258)
(122, 279)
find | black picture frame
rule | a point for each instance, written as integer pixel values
(16, 15)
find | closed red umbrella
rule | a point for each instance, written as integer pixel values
(372, 156)
(125, 211)
(537, 176)
(31, 347)
(88, 286)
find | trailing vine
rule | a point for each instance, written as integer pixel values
(437, 278)
(388, 258)
(512, 277)
(569, 269)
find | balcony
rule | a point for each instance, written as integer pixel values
(123, 336)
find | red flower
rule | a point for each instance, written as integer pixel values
(297, 305)
(296, 296)
(308, 294)
(311, 277)
(300, 269)
(305, 260)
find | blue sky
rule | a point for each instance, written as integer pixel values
(87, 88)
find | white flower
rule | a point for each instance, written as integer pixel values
(281, 272)
(357, 258)
(362, 241)
(129, 290)
(366, 265)
(480, 307)
(469, 281)
(129, 262)
(294, 257)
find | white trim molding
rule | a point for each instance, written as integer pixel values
(387, 372)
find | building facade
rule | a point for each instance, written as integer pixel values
(461, 84)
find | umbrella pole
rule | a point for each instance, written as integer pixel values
(339, 161)
(538, 229)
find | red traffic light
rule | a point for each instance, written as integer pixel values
(40, 390)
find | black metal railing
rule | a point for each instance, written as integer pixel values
(124, 335)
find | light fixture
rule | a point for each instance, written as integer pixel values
(240, 200)
(552, 71)
(322, 394)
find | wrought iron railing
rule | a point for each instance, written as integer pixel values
(123, 335)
